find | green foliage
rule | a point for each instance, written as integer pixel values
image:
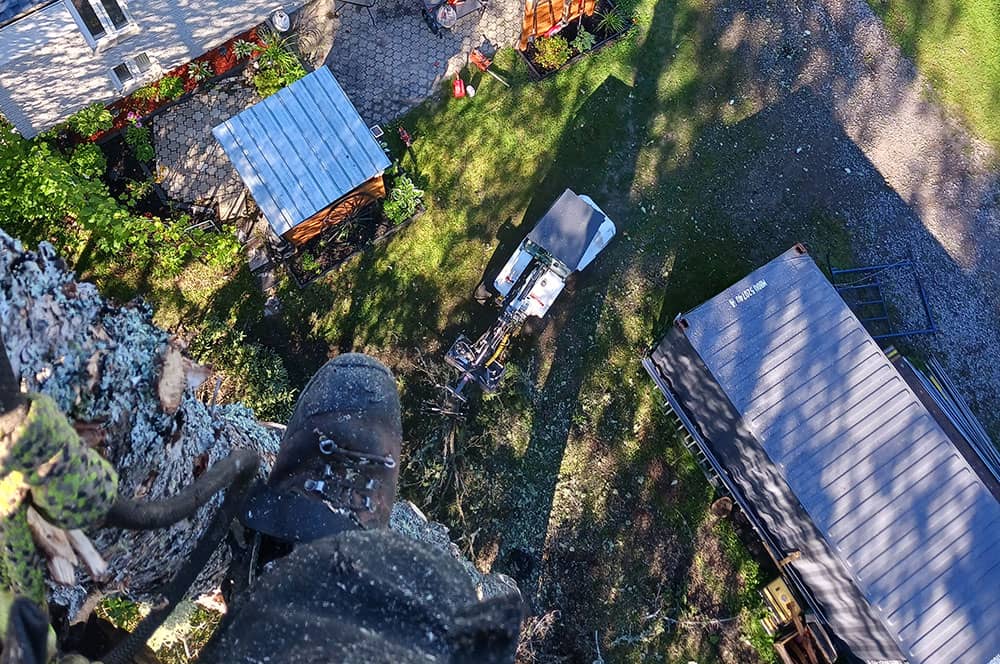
(170, 87)
(166, 89)
(136, 190)
(612, 22)
(552, 52)
(243, 49)
(148, 92)
(584, 41)
(88, 161)
(45, 195)
(200, 71)
(402, 201)
(277, 52)
(91, 119)
(254, 374)
(309, 263)
(278, 65)
(140, 139)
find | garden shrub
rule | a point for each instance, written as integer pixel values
(88, 161)
(91, 119)
(612, 21)
(140, 139)
(243, 49)
(252, 373)
(310, 264)
(45, 195)
(148, 92)
(200, 71)
(552, 52)
(170, 87)
(584, 41)
(402, 201)
(277, 65)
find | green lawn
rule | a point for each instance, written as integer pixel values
(955, 44)
(574, 463)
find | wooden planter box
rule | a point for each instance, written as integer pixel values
(539, 73)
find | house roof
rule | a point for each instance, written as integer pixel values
(566, 230)
(301, 149)
(838, 458)
(12, 9)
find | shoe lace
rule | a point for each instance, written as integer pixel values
(338, 490)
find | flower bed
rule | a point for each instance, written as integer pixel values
(219, 61)
(543, 54)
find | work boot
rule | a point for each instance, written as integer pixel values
(338, 464)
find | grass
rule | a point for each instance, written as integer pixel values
(956, 45)
(573, 466)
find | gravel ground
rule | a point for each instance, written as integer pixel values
(848, 122)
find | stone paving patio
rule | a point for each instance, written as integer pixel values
(389, 68)
(191, 163)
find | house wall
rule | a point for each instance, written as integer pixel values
(48, 71)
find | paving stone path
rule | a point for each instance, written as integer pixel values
(389, 68)
(191, 163)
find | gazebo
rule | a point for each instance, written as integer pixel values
(306, 156)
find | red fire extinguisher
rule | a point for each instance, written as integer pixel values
(458, 87)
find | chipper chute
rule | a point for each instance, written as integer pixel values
(566, 240)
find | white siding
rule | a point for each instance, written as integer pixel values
(48, 71)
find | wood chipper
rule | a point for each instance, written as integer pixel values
(566, 240)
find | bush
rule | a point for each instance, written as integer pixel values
(140, 139)
(147, 93)
(253, 373)
(269, 81)
(88, 161)
(243, 49)
(200, 71)
(277, 53)
(552, 52)
(612, 22)
(584, 41)
(278, 66)
(170, 87)
(90, 120)
(402, 201)
(310, 264)
(46, 195)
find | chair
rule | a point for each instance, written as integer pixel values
(367, 5)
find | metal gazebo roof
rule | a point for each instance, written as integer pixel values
(809, 422)
(301, 149)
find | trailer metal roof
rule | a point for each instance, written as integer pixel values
(301, 149)
(834, 450)
(565, 231)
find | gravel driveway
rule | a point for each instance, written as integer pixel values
(850, 123)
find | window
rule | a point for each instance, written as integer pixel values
(131, 72)
(100, 19)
